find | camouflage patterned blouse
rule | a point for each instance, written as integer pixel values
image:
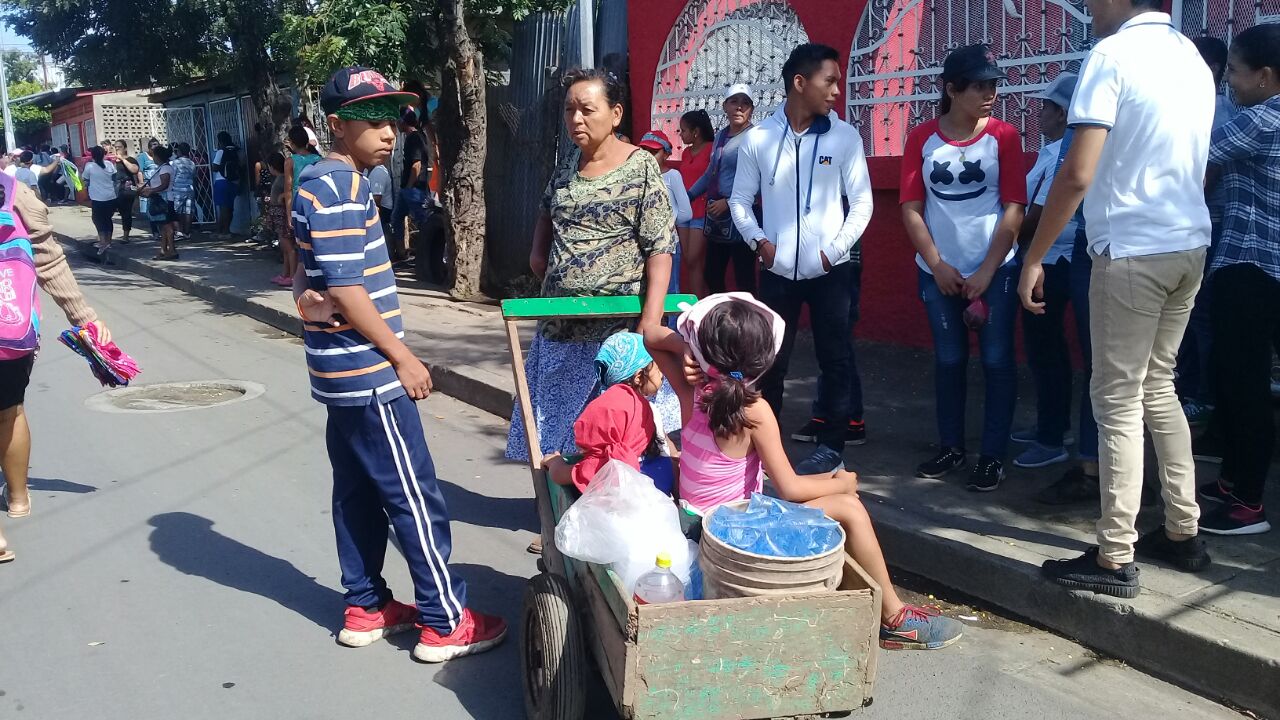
(603, 230)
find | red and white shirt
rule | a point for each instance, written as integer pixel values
(963, 186)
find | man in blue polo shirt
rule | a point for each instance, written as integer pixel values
(369, 380)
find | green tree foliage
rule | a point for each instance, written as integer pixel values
(28, 120)
(346, 32)
(124, 43)
(19, 67)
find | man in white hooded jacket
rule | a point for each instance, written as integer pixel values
(803, 162)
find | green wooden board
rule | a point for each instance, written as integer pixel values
(586, 307)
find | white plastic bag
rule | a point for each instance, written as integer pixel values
(624, 521)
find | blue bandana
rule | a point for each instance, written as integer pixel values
(621, 356)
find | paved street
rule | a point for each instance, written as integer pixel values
(181, 564)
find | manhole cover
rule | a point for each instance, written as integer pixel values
(174, 397)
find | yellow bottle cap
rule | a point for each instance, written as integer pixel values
(664, 560)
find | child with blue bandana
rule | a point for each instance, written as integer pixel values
(620, 423)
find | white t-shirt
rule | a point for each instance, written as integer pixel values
(101, 181)
(1148, 85)
(380, 184)
(679, 196)
(964, 187)
(11, 170)
(1039, 180)
(156, 180)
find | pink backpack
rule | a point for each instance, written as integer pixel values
(19, 291)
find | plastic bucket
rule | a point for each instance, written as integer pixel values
(728, 572)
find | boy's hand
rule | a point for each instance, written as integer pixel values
(850, 479)
(549, 460)
(318, 307)
(414, 376)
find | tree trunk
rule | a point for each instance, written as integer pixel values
(463, 147)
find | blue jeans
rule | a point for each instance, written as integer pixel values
(1081, 268)
(856, 409)
(1046, 345)
(1193, 381)
(951, 360)
(412, 202)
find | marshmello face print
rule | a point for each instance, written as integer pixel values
(971, 173)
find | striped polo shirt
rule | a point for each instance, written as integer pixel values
(340, 242)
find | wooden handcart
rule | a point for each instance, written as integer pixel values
(800, 656)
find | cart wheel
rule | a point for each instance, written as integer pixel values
(554, 661)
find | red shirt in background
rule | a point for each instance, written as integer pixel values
(692, 168)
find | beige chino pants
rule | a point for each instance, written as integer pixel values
(1139, 308)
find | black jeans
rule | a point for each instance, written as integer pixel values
(1245, 314)
(126, 200)
(856, 409)
(1045, 341)
(719, 255)
(829, 309)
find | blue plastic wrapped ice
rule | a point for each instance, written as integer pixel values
(769, 526)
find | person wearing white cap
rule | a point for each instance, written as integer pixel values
(724, 242)
(1043, 335)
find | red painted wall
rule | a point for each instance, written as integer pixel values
(891, 309)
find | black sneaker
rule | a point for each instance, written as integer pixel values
(1084, 573)
(856, 434)
(1207, 450)
(1215, 492)
(1073, 487)
(987, 474)
(948, 460)
(1235, 518)
(1189, 555)
(810, 431)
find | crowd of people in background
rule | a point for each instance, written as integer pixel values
(1157, 191)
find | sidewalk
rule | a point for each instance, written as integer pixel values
(1217, 633)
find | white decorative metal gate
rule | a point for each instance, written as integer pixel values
(188, 125)
(1223, 19)
(899, 47)
(716, 43)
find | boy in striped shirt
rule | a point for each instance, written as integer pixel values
(369, 379)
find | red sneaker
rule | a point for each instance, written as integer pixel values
(476, 633)
(363, 627)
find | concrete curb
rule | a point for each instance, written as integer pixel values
(472, 386)
(1214, 655)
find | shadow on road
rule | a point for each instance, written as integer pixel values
(188, 543)
(473, 508)
(51, 485)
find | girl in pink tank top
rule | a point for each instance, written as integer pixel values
(730, 439)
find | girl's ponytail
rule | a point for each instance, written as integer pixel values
(725, 402)
(736, 342)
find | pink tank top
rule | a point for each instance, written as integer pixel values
(708, 477)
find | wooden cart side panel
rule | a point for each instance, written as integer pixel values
(609, 646)
(856, 578)
(755, 657)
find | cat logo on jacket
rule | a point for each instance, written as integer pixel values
(824, 159)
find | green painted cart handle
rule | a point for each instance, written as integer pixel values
(586, 307)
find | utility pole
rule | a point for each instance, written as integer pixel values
(586, 32)
(9, 141)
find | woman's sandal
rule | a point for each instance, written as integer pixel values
(6, 555)
(4, 496)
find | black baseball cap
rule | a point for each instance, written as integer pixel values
(357, 84)
(974, 63)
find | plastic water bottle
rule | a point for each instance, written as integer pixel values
(659, 585)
